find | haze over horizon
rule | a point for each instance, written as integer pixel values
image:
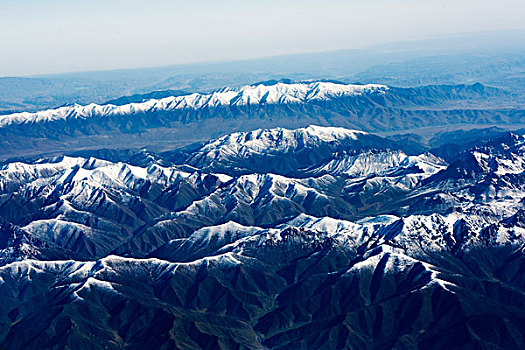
(59, 36)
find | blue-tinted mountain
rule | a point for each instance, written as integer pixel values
(167, 123)
(318, 237)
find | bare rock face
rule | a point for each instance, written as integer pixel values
(310, 238)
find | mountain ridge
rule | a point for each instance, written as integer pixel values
(276, 93)
(175, 121)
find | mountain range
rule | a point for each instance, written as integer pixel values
(174, 121)
(304, 238)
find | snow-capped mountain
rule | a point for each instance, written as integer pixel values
(280, 150)
(317, 237)
(367, 164)
(165, 123)
(279, 93)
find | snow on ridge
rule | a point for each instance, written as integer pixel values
(380, 163)
(261, 140)
(246, 95)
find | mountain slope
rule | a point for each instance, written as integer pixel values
(279, 289)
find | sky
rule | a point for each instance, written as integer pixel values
(55, 36)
